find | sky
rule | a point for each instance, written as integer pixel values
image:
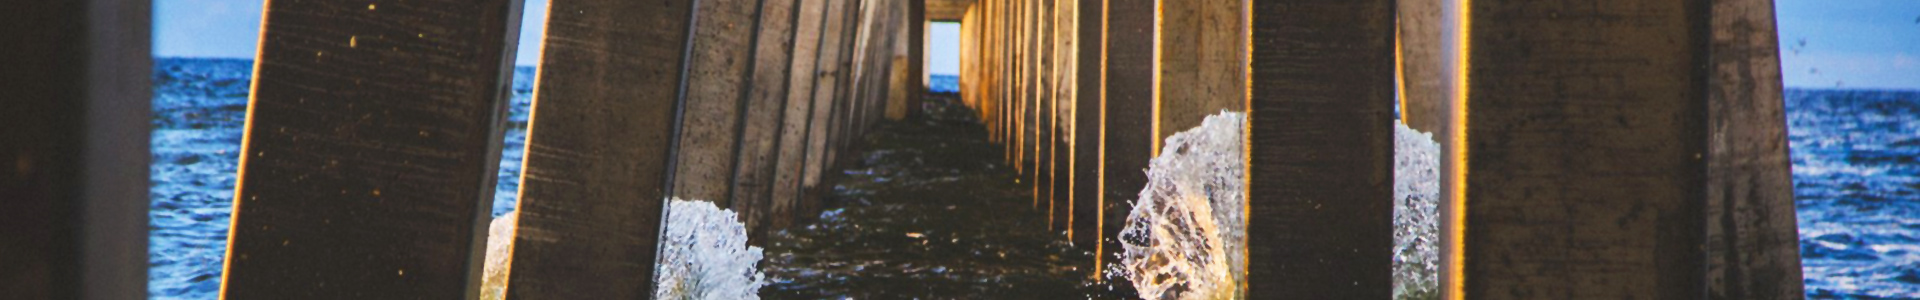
(1823, 43)
(943, 48)
(1873, 44)
(231, 29)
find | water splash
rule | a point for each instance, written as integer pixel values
(1416, 213)
(703, 255)
(499, 251)
(1186, 236)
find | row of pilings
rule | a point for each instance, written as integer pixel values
(1632, 149)
(1619, 149)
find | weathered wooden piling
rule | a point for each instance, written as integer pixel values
(827, 66)
(765, 110)
(1089, 51)
(794, 142)
(74, 153)
(1582, 150)
(370, 150)
(723, 49)
(1060, 166)
(1320, 159)
(1752, 237)
(599, 164)
(1129, 90)
(1202, 66)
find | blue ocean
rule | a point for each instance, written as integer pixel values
(943, 83)
(1856, 160)
(1856, 174)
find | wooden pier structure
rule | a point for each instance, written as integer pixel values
(1601, 149)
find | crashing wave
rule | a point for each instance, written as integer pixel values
(704, 255)
(1186, 236)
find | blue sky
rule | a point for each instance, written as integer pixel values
(943, 48)
(231, 29)
(1848, 44)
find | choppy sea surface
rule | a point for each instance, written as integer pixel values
(1856, 174)
(200, 108)
(1856, 160)
(943, 83)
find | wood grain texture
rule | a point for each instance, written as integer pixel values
(598, 151)
(1752, 238)
(760, 131)
(827, 63)
(947, 10)
(1203, 66)
(1320, 224)
(916, 23)
(1060, 96)
(722, 54)
(843, 86)
(1087, 114)
(1044, 109)
(795, 127)
(1426, 55)
(372, 140)
(1129, 101)
(1587, 130)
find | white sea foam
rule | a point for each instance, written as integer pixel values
(499, 252)
(704, 255)
(1416, 226)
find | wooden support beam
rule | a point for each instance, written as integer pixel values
(766, 110)
(370, 151)
(1089, 51)
(1060, 96)
(599, 156)
(795, 129)
(916, 55)
(1129, 88)
(717, 78)
(1584, 140)
(827, 64)
(1426, 40)
(1044, 110)
(836, 134)
(1203, 64)
(75, 153)
(1752, 237)
(1320, 167)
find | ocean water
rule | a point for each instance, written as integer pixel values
(200, 108)
(1856, 174)
(943, 83)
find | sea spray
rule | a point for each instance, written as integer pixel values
(499, 251)
(1186, 236)
(703, 255)
(1416, 226)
